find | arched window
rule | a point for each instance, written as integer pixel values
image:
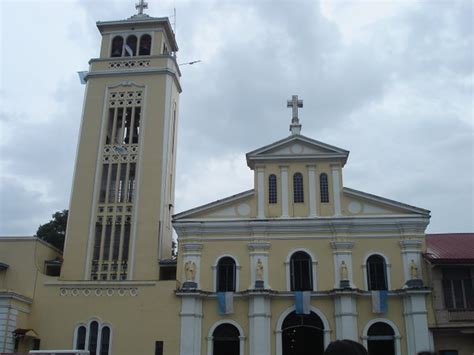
(301, 272)
(145, 45)
(117, 45)
(298, 195)
(376, 273)
(381, 339)
(93, 335)
(131, 46)
(302, 334)
(324, 188)
(98, 342)
(272, 189)
(226, 275)
(105, 341)
(226, 340)
(81, 338)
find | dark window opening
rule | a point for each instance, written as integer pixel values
(272, 189)
(93, 335)
(104, 341)
(298, 195)
(324, 188)
(226, 340)
(301, 272)
(81, 338)
(113, 183)
(103, 183)
(168, 272)
(126, 242)
(117, 44)
(381, 339)
(131, 183)
(36, 344)
(131, 46)
(226, 273)
(53, 267)
(97, 241)
(458, 288)
(159, 347)
(145, 45)
(376, 273)
(107, 242)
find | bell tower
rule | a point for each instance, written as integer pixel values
(122, 197)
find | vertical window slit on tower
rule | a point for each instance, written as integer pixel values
(97, 242)
(121, 184)
(126, 241)
(103, 183)
(136, 126)
(107, 237)
(116, 246)
(113, 183)
(131, 183)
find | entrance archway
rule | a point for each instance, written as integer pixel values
(381, 339)
(302, 334)
(226, 340)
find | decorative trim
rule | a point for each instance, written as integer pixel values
(98, 292)
(256, 246)
(342, 245)
(214, 204)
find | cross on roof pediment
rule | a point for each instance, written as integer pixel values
(297, 147)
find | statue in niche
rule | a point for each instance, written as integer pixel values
(344, 276)
(344, 273)
(259, 270)
(413, 270)
(190, 270)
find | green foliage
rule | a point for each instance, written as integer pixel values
(54, 231)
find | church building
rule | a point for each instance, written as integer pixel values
(284, 268)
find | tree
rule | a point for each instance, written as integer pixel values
(54, 231)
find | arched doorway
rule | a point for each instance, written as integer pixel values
(381, 339)
(302, 334)
(226, 340)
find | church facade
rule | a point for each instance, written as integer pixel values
(284, 268)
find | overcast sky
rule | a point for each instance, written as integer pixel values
(390, 81)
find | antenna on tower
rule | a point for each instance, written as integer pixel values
(174, 19)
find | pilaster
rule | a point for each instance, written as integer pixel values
(336, 188)
(284, 190)
(259, 324)
(191, 325)
(345, 307)
(416, 322)
(260, 171)
(312, 190)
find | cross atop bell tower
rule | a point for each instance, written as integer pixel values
(294, 103)
(141, 6)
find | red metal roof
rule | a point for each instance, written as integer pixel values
(450, 248)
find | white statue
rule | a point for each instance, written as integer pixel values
(190, 270)
(259, 270)
(413, 270)
(343, 271)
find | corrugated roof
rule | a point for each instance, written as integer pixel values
(450, 248)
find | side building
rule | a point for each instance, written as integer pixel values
(451, 268)
(301, 260)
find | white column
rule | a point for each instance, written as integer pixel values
(411, 250)
(284, 190)
(258, 250)
(342, 251)
(259, 325)
(336, 188)
(416, 322)
(346, 316)
(312, 190)
(260, 191)
(191, 325)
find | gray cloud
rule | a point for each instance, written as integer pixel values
(398, 95)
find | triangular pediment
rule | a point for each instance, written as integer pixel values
(365, 204)
(234, 207)
(296, 147)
